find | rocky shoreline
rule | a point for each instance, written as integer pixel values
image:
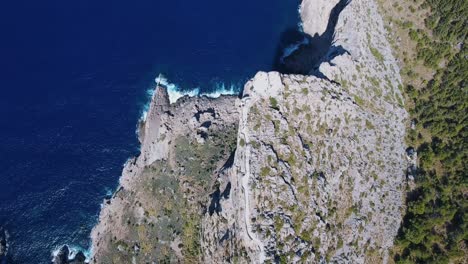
(300, 168)
(160, 134)
(63, 257)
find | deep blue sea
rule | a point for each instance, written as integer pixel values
(73, 82)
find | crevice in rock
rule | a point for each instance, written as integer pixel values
(206, 124)
(225, 237)
(216, 196)
(215, 205)
(229, 162)
(291, 187)
(227, 191)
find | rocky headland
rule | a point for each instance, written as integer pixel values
(303, 167)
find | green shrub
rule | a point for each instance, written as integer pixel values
(376, 54)
(358, 100)
(265, 171)
(274, 103)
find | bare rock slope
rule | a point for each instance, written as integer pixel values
(300, 169)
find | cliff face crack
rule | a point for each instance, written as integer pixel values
(274, 151)
(301, 53)
(216, 197)
(290, 186)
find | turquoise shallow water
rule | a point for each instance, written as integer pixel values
(74, 76)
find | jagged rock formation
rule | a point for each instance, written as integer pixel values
(63, 257)
(300, 169)
(319, 170)
(316, 176)
(154, 215)
(315, 15)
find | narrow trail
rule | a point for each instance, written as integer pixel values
(245, 181)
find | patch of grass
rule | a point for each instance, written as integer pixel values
(265, 171)
(375, 52)
(242, 142)
(292, 160)
(279, 223)
(274, 103)
(191, 239)
(358, 100)
(369, 125)
(307, 235)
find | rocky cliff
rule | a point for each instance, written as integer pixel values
(155, 213)
(307, 168)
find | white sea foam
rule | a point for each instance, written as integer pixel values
(109, 192)
(293, 47)
(149, 97)
(73, 250)
(222, 89)
(175, 92)
(300, 24)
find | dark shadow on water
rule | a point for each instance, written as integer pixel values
(300, 53)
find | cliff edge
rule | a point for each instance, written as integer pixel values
(301, 168)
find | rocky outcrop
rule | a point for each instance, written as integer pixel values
(319, 43)
(318, 174)
(63, 257)
(316, 177)
(154, 215)
(301, 168)
(316, 14)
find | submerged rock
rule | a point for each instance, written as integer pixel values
(4, 236)
(63, 254)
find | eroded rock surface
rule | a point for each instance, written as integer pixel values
(155, 214)
(63, 257)
(316, 177)
(302, 168)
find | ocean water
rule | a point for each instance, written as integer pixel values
(73, 83)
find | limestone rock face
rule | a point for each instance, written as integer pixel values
(301, 168)
(152, 149)
(318, 174)
(154, 215)
(315, 15)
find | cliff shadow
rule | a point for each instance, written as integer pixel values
(299, 53)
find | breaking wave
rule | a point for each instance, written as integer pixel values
(300, 24)
(222, 89)
(73, 251)
(144, 111)
(293, 47)
(173, 90)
